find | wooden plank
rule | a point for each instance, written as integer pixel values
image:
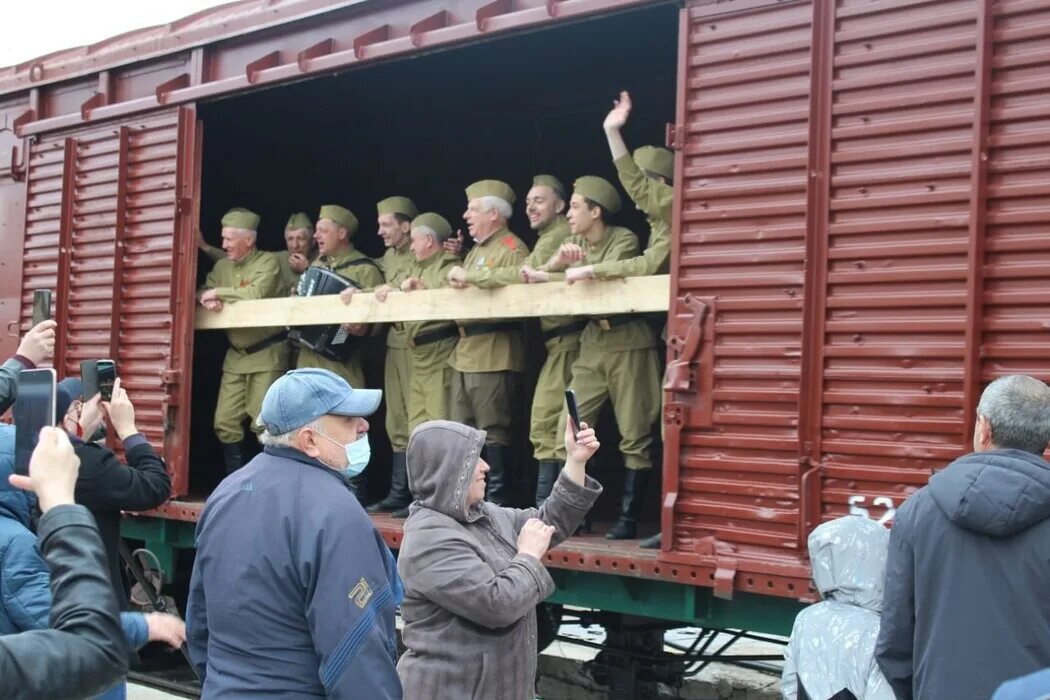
(633, 295)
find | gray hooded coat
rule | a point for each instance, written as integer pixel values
(832, 644)
(470, 598)
(966, 604)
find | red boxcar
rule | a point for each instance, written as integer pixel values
(860, 241)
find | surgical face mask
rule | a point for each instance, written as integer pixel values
(358, 453)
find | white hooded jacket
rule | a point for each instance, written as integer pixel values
(832, 644)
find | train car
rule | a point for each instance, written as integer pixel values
(860, 234)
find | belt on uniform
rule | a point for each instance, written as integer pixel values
(483, 328)
(263, 344)
(574, 327)
(420, 339)
(610, 322)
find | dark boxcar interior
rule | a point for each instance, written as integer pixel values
(426, 127)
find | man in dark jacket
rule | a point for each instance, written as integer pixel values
(106, 486)
(965, 605)
(84, 651)
(293, 590)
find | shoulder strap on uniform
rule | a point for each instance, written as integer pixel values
(352, 263)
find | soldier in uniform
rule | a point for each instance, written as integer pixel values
(336, 225)
(490, 355)
(647, 178)
(544, 206)
(394, 218)
(299, 247)
(257, 356)
(618, 360)
(430, 343)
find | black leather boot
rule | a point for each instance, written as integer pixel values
(232, 457)
(545, 478)
(626, 528)
(498, 489)
(399, 496)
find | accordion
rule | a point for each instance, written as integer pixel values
(329, 341)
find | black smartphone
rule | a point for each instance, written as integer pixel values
(107, 375)
(574, 411)
(34, 409)
(41, 306)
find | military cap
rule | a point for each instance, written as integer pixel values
(242, 218)
(656, 160)
(491, 188)
(397, 205)
(550, 181)
(340, 215)
(435, 222)
(599, 190)
(297, 221)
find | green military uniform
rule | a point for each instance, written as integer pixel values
(350, 264)
(395, 265)
(257, 356)
(431, 373)
(490, 354)
(618, 363)
(561, 337)
(655, 199)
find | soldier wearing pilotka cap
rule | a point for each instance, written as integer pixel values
(618, 360)
(257, 356)
(394, 220)
(335, 228)
(545, 207)
(490, 355)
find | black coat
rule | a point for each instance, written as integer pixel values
(84, 652)
(965, 605)
(106, 486)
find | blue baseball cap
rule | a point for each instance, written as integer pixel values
(304, 395)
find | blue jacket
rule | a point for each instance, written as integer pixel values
(25, 582)
(1034, 686)
(293, 590)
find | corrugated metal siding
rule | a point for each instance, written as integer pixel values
(1017, 253)
(902, 96)
(113, 270)
(742, 241)
(923, 228)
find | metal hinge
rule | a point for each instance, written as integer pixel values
(675, 137)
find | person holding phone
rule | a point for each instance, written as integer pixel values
(473, 570)
(25, 587)
(37, 346)
(84, 651)
(107, 486)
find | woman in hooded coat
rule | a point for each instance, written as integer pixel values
(472, 570)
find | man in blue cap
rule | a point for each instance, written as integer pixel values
(293, 590)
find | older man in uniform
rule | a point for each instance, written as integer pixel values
(430, 343)
(257, 356)
(490, 355)
(394, 219)
(336, 226)
(618, 360)
(544, 206)
(298, 254)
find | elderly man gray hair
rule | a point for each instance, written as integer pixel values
(969, 558)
